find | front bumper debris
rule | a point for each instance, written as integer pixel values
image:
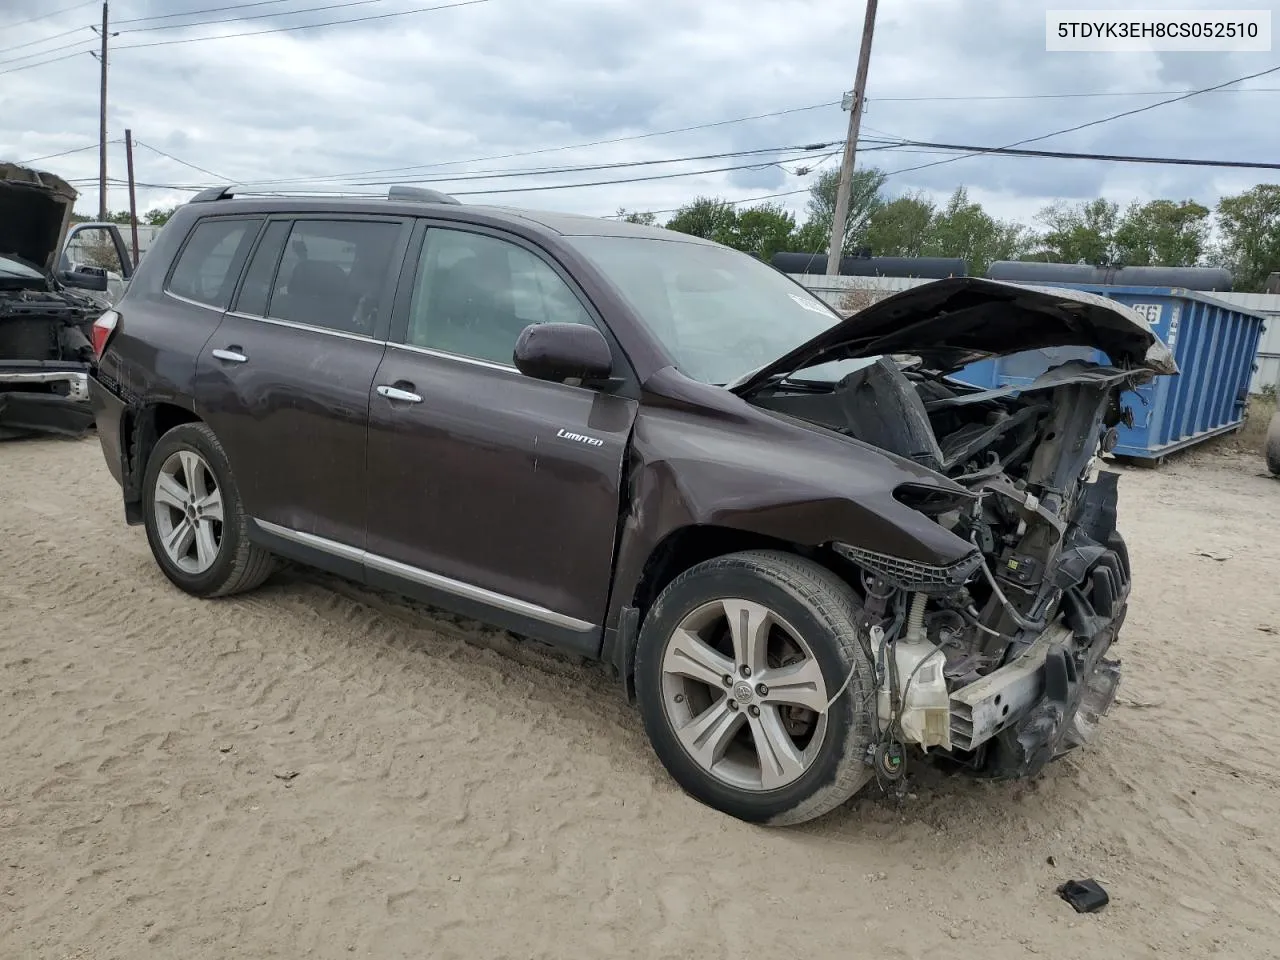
(45, 401)
(1038, 707)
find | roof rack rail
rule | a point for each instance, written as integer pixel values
(418, 194)
(213, 193)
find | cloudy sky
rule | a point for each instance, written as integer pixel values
(481, 87)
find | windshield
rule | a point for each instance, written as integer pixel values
(720, 313)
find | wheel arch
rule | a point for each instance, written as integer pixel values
(141, 428)
(686, 547)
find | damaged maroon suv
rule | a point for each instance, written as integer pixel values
(810, 552)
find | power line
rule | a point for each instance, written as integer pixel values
(41, 63)
(306, 26)
(52, 13)
(1056, 96)
(1108, 157)
(230, 36)
(64, 153)
(44, 53)
(542, 150)
(583, 168)
(196, 13)
(55, 36)
(542, 187)
(1093, 123)
(734, 203)
(256, 16)
(179, 160)
(605, 183)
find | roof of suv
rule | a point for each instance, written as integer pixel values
(565, 224)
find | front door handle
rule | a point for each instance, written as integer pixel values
(233, 355)
(395, 393)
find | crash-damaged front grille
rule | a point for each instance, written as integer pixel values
(911, 575)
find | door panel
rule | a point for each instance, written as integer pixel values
(285, 380)
(478, 484)
(293, 419)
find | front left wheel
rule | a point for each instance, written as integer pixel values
(754, 689)
(195, 523)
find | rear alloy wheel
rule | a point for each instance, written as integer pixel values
(195, 524)
(738, 669)
(188, 512)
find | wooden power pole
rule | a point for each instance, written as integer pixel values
(102, 123)
(133, 199)
(838, 221)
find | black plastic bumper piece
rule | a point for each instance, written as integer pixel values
(1085, 896)
(45, 413)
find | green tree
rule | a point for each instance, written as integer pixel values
(864, 201)
(159, 216)
(1162, 233)
(708, 217)
(1079, 233)
(901, 227)
(763, 230)
(963, 229)
(1250, 227)
(636, 216)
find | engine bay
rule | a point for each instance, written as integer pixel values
(1020, 639)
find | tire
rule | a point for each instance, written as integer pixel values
(1273, 445)
(802, 599)
(237, 565)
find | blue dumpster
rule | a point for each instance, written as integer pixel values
(1214, 343)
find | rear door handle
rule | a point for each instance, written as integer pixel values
(395, 393)
(233, 355)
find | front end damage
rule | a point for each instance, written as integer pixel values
(45, 327)
(1001, 660)
(45, 357)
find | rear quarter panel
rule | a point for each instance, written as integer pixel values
(151, 358)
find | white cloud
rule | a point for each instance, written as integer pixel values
(511, 76)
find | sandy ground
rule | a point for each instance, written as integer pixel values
(316, 770)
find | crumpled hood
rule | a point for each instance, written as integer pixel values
(951, 323)
(35, 209)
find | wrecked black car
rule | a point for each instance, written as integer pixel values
(810, 551)
(46, 315)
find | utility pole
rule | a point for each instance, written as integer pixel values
(102, 123)
(850, 145)
(133, 200)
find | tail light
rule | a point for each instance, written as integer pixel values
(103, 328)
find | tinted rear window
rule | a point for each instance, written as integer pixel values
(333, 274)
(210, 263)
(256, 289)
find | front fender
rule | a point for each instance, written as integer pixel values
(770, 477)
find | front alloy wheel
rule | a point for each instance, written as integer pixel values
(754, 688)
(744, 694)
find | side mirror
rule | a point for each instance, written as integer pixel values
(563, 351)
(85, 279)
